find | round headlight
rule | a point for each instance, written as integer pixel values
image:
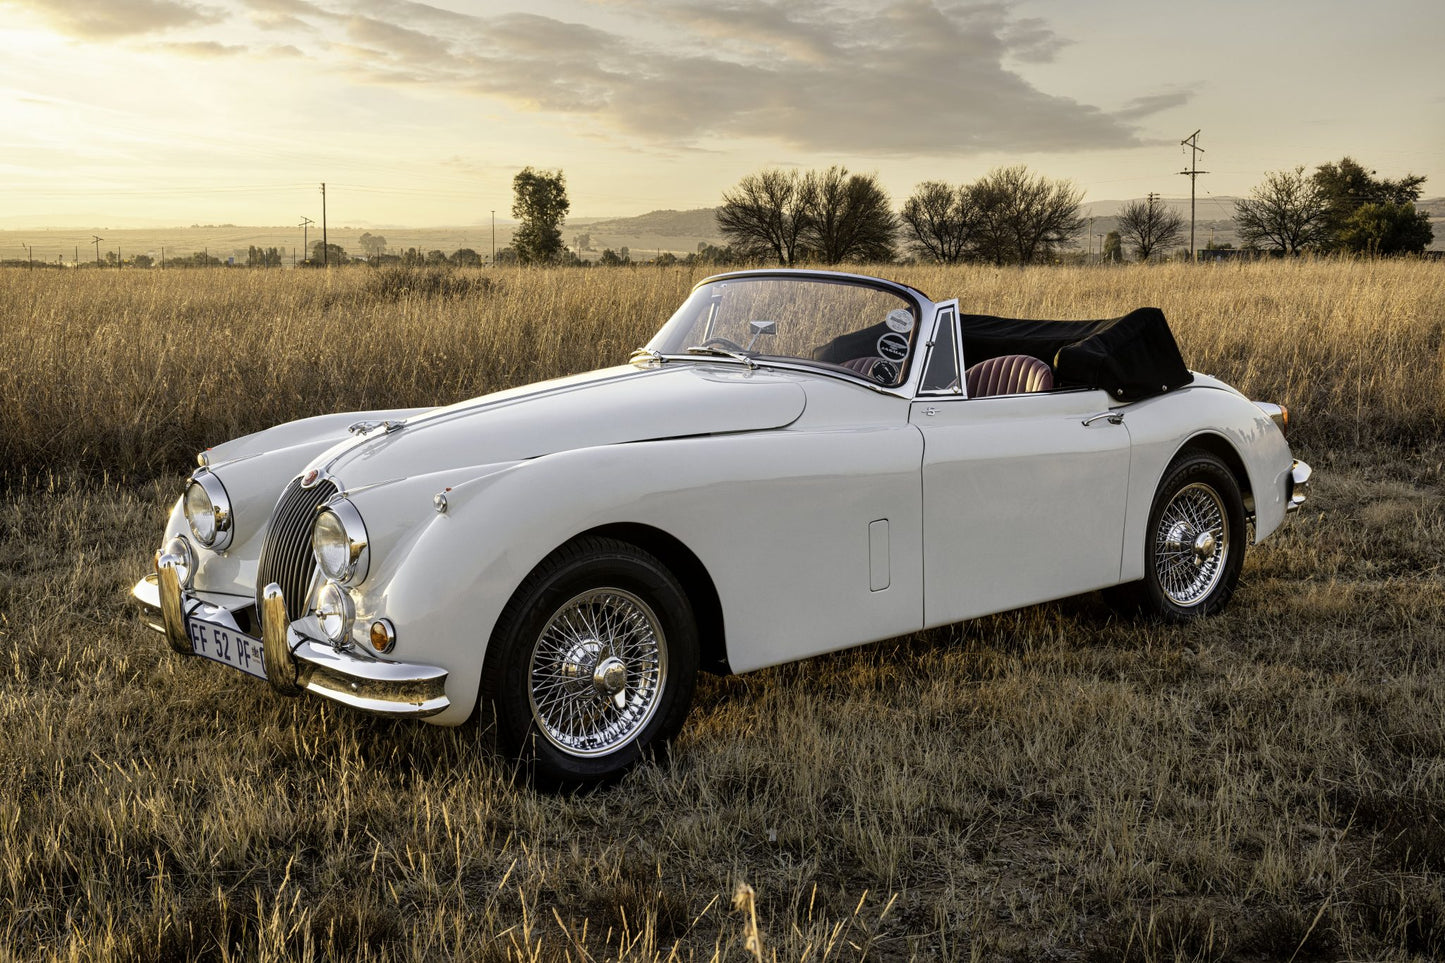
(338, 540)
(181, 549)
(334, 612)
(208, 510)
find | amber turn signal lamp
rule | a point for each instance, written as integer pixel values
(383, 636)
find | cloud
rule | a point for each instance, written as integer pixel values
(108, 19)
(205, 48)
(854, 77)
(1144, 106)
(901, 77)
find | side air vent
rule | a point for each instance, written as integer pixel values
(286, 557)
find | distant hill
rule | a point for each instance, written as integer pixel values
(701, 222)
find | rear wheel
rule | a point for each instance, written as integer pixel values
(593, 664)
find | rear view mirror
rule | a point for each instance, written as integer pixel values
(759, 328)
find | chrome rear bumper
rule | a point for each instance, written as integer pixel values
(293, 662)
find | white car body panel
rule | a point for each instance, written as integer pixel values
(1023, 502)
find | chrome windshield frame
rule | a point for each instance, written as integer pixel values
(926, 308)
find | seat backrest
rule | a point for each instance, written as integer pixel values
(1008, 374)
(862, 365)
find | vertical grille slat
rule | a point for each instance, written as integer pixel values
(286, 553)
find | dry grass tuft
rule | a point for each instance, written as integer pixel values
(1054, 783)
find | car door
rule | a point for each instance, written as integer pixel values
(1023, 495)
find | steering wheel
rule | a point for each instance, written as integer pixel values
(728, 343)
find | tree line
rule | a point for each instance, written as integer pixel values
(1014, 216)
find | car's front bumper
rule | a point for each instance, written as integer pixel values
(293, 662)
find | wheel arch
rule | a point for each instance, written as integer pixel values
(683, 563)
(696, 582)
(1220, 447)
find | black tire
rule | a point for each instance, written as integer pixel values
(1195, 543)
(592, 664)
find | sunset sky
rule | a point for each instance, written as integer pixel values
(161, 112)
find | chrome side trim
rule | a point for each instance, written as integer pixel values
(1299, 485)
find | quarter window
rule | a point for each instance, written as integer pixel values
(942, 371)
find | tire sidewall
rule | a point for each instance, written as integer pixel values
(590, 564)
(1191, 468)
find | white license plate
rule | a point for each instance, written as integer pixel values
(221, 644)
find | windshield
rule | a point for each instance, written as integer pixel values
(844, 325)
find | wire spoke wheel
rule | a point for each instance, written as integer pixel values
(597, 672)
(1192, 542)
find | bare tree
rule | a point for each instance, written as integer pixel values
(1288, 210)
(939, 221)
(1149, 226)
(851, 218)
(1022, 218)
(766, 215)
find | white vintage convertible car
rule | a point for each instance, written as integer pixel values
(798, 462)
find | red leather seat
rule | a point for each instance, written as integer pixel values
(1009, 374)
(864, 366)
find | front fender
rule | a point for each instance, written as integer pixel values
(1161, 427)
(788, 551)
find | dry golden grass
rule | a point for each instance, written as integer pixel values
(132, 372)
(1047, 784)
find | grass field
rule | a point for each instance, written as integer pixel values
(1050, 784)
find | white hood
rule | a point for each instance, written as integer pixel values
(608, 407)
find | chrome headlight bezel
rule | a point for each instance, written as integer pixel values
(339, 543)
(207, 508)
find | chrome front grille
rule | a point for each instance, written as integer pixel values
(286, 557)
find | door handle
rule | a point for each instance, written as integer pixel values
(1112, 417)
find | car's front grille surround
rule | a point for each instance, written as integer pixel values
(286, 557)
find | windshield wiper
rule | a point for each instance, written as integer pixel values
(647, 354)
(722, 353)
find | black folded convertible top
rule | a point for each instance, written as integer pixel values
(1131, 357)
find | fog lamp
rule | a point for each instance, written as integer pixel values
(181, 549)
(334, 612)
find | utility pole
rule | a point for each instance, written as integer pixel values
(97, 241)
(1192, 142)
(305, 225)
(325, 253)
(494, 238)
(29, 255)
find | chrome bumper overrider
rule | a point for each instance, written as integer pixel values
(293, 662)
(1299, 485)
